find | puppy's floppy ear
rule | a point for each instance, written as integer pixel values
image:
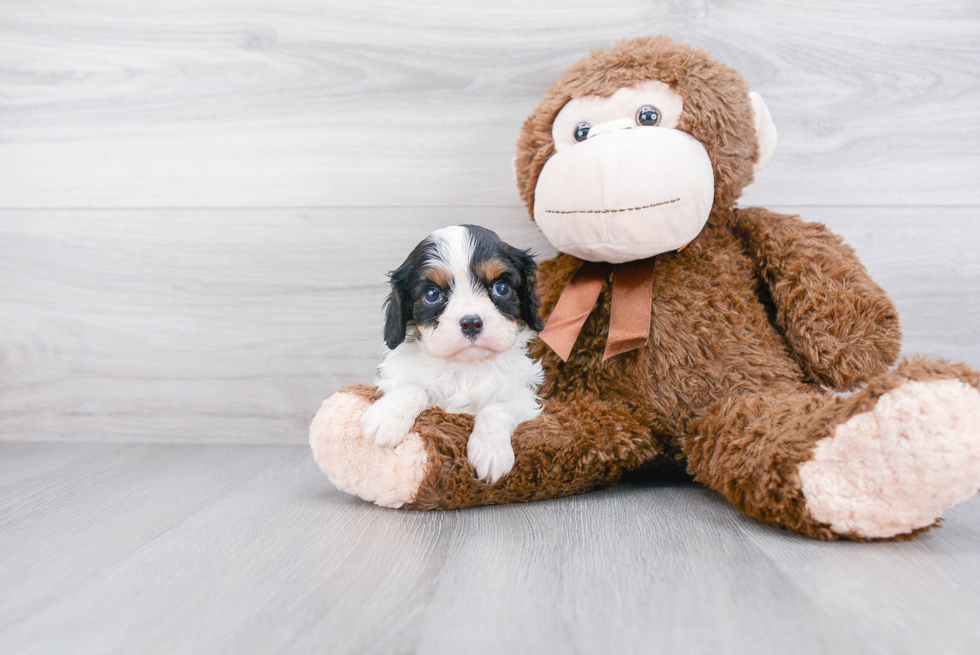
(530, 304)
(398, 305)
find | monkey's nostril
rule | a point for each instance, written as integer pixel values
(471, 325)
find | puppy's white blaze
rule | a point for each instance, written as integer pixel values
(454, 252)
(467, 297)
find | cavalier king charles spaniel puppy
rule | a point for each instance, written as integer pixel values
(461, 312)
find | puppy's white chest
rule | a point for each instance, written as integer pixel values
(460, 403)
(464, 387)
(467, 394)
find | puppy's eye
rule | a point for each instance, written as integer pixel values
(648, 115)
(582, 131)
(501, 289)
(432, 295)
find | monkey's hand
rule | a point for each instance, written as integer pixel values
(842, 327)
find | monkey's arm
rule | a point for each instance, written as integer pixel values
(840, 324)
(570, 448)
(573, 446)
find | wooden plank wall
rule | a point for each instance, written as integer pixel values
(199, 198)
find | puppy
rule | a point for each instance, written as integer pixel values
(461, 312)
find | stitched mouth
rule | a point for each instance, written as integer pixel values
(610, 211)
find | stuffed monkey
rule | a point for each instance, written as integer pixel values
(681, 328)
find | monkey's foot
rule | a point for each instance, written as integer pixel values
(389, 477)
(896, 468)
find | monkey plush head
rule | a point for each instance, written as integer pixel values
(628, 153)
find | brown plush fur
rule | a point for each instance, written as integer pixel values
(750, 322)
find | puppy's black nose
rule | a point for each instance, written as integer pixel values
(471, 325)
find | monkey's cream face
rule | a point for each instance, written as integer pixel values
(624, 183)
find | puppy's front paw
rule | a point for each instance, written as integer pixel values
(490, 454)
(386, 424)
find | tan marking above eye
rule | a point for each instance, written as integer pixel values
(438, 276)
(491, 269)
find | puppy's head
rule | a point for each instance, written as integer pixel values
(468, 293)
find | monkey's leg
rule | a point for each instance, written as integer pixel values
(572, 447)
(881, 463)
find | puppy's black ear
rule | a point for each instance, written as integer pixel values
(398, 305)
(530, 304)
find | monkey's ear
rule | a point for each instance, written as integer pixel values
(765, 130)
(398, 307)
(530, 303)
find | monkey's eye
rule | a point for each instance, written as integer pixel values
(501, 289)
(648, 115)
(582, 131)
(432, 295)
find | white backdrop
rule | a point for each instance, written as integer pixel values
(199, 199)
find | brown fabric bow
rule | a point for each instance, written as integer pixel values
(629, 311)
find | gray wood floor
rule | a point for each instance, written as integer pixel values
(198, 202)
(144, 548)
